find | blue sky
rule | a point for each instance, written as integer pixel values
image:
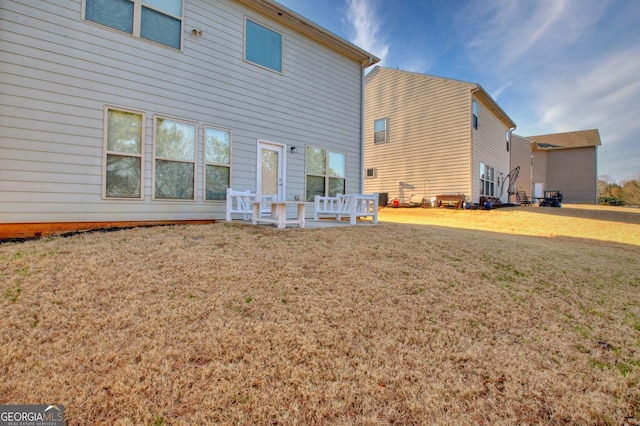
(552, 65)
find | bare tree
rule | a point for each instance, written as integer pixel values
(631, 191)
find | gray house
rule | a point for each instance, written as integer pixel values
(567, 162)
(138, 111)
(427, 136)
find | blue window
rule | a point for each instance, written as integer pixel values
(263, 46)
(161, 28)
(155, 20)
(116, 14)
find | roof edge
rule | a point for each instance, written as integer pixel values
(572, 139)
(474, 87)
(312, 30)
(493, 105)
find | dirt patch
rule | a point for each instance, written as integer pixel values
(406, 323)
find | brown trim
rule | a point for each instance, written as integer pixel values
(37, 230)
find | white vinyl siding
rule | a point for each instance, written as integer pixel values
(59, 72)
(155, 20)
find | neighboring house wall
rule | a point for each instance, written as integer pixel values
(539, 170)
(489, 146)
(427, 147)
(60, 72)
(566, 162)
(573, 173)
(428, 150)
(521, 156)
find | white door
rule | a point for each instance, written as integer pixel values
(537, 190)
(271, 169)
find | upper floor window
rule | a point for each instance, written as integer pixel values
(263, 46)
(474, 107)
(155, 20)
(380, 130)
(508, 136)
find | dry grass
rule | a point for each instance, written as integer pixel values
(397, 323)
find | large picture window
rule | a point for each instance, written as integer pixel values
(487, 180)
(155, 20)
(217, 163)
(123, 152)
(174, 159)
(263, 46)
(326, 173)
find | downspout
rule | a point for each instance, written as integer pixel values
(596, 155)
(366, 64)
(511, 129)
(473, 170)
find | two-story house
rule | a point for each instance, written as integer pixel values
(427, 136)
(565, 162)
(138, 111)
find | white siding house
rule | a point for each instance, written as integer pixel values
(427, 136)
(105, 119)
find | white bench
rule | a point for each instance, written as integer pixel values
(351, 205)
(241, 202)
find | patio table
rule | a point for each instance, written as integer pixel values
(279, 213)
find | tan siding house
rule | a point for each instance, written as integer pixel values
(521, 156)
(561, 161)
(421, 138)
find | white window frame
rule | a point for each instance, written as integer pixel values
(156, 158)
(386, 130)
(244, 46)
(137, 22)
(207, 163)
(107, 152)
(327, 176)
(374, 173)
(488, 181)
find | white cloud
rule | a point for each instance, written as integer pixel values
(366, 27)
(506, 33)
(565, 64)
(604, 93)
